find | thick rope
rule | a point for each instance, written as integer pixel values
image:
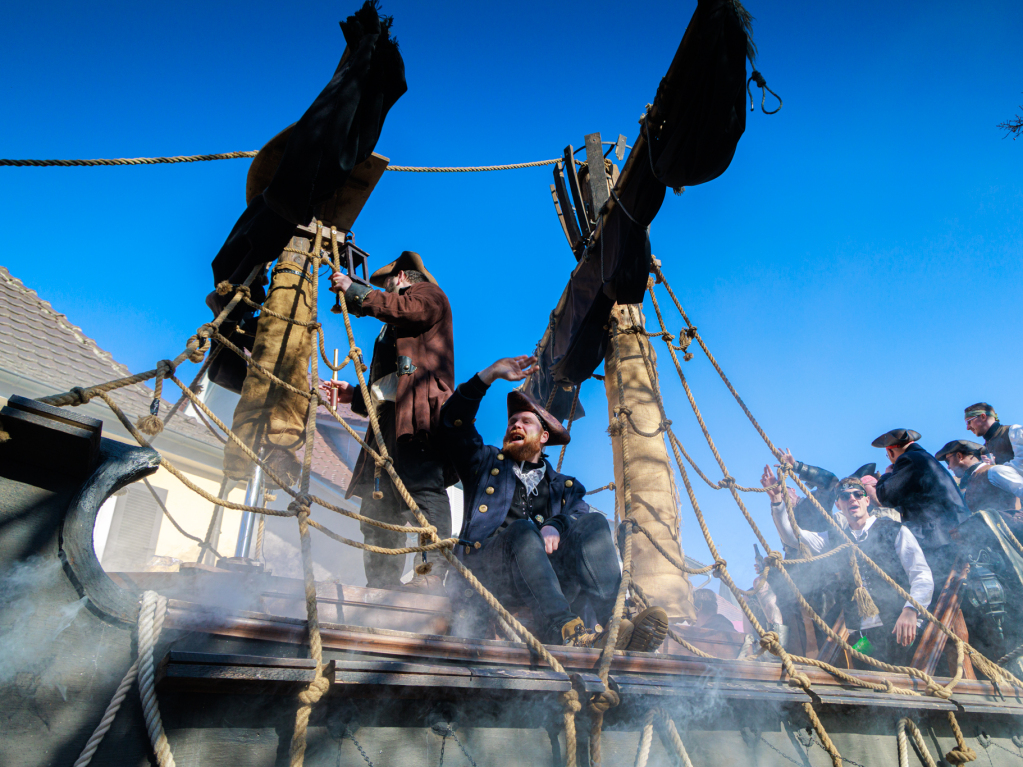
(240, 155)
(903, 745)
(151, 618)
(153, 605)
(645, 739)
(670, 737)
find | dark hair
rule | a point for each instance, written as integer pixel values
(414, 276)
(705, 600)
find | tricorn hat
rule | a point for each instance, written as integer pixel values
(404, 262)
(520, 402)
(896, 437)
(959, 446)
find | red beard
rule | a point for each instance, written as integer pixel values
(528, 448)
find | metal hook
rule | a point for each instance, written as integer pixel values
(764, 90)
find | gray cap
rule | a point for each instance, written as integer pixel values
(959, 446)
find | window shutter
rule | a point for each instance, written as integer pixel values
(134, 530)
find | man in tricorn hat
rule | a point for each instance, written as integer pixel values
(527, 533)
(410, 377)
(963, 460)
(926, 496)
(1004, 442)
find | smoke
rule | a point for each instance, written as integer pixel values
(27, 633)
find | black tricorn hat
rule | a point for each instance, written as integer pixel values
(407, 260)
(959, 446)
(896, 437)
(864, 470)
(520, 402)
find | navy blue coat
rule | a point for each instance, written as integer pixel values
(484, 468)
(925, 494)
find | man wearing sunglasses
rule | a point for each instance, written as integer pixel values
(895, 549)
(1004, 442)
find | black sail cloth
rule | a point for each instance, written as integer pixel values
(338, 131)
(700, 117)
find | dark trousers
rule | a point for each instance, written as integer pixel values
(421, 469)
(582, 573)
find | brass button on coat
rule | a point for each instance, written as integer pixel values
(483, 508)
(467, 551)
(490, 491)
(568, 482)
(477, 544)
(458, 422)
(494, 472)
(500, 456)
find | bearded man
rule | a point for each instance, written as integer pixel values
(410, 377)
(527, 533)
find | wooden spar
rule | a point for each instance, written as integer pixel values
(651, 476)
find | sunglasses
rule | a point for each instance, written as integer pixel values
(854, 494)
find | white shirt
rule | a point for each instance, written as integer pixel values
(921, 582)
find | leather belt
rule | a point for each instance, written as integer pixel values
(297, 273)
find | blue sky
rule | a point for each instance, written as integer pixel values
(856, 269)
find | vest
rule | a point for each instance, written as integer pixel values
(879, 545)
(996, 442)
(980, 494)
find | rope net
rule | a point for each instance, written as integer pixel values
(197, 350)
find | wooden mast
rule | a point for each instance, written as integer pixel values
(652, 477)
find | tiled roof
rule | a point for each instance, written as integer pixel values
(328, 465)
(40, 343)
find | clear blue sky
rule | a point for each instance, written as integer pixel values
(856, 269)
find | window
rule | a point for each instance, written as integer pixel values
(134, 530)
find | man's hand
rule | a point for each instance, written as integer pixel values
(339, 283)
(510, 369)
(768, 479)
(787, 459)
(905, 627)
(551, 539)
(345, 391)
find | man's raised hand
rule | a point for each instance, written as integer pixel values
(767, 480)
(509, 368)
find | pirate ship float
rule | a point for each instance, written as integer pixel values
(352, 676)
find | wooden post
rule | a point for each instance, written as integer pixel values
(655, 502)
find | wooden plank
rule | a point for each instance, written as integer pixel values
(932, 640)
(597, 177)
(256, 626)
(832, 652)
(344, 207)
(577, 196)
(205, 658)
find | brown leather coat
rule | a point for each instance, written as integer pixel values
(421, 318)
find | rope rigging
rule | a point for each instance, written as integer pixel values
(93, 163)
(197, 350)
